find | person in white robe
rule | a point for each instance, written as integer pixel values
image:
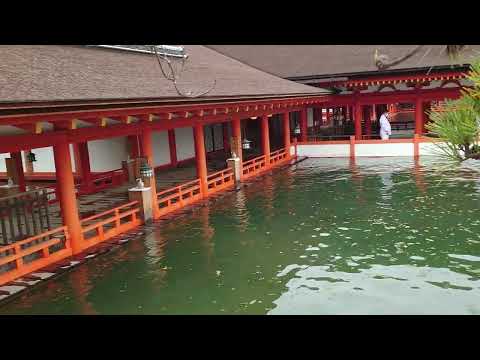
(385, 128)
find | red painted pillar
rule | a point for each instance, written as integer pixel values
(84, 163)
(265, 139)
(201, 157)
(17, 158)
(172, 145)
(66, 195)
(303, 124)
(135, 146)
(237, 134)
(145, 140)
(357, 108)
(426, 107)
(226, 140)
(286, 131)
(368, 121)
(418, 116)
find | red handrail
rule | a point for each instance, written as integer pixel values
(179, 196)
(253, 166)
(220, 180)
(22, 268)
(114, 216)
(109, 212)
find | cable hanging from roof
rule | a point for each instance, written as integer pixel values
(174, 71)
(383, 62)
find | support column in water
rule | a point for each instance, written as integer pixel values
(200, 156)
(265, 139)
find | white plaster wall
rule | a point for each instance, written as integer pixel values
(107, 154)
(3, 165)
(161, 149)
(428, 149)
(395, 149)
(334, 150)
(45, 160)
(185, 143)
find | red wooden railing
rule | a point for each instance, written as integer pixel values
(105, 180)
(98, 182)
(220, 180)
(278, 156)
(254, 166)
(179, 196)
(13, 257)
(103, 226)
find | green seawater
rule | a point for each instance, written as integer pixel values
(325, 236)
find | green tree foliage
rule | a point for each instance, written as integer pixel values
(458, 124)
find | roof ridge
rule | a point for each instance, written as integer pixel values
(257, 68)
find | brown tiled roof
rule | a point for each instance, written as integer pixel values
(66, 73)
(290, 61)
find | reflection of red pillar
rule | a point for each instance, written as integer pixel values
(357, 108)
(265, 139)
(172, 145)
(147, 151)
(357, 180)
(237, 134)
(66, 195)
(419, 180)
(303, 124)
(17, 158)
(200, 156)
(81, 285)
(418, 115)
(286, 131)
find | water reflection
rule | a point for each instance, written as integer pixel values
(80, 281)
(419, 176)
(240, 207)
(358, 179)
(326, 236)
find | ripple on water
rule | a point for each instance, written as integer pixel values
(395, 289)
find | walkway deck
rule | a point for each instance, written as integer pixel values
(109, 198)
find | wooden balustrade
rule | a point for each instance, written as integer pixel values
(278, 156)
(105, 180)
(24, 215)
(179, 196)
(220, 180)
(31, 254)
(103, 226)
(253, 167)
